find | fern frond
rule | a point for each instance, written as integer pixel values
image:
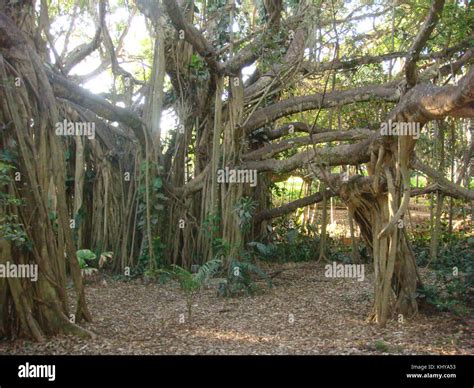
(208, 270)
(247, 268)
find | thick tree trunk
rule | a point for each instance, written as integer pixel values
(396, 278)
(39, 307)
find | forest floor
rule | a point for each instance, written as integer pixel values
(303, 313)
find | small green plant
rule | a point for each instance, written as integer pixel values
(84, 256)
(381, 346)
(244, 210)
(211, 229)
(266, 251)
(240, 277)
(191, 283)
(288, 243)
(88, 259)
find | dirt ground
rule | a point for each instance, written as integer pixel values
(304, 313)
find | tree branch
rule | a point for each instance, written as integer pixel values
(72, 92)
(426, 102)
(420, 41)
(270, 150)
(316, 101)
(268, 214)
(446, 186)
(85, 49)
(352, 154)
(192, 35)
(313, 68)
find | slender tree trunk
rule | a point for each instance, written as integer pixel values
(354, 246)
(436, 230)
(324, 222)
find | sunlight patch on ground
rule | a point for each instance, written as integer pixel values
(232, 336)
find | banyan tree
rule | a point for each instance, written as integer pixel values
(270, 88)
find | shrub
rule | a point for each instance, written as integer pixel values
(288, 244)
(192, 283)
(381, 346)
(240, 277)
(452, 284)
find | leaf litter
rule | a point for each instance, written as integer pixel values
(303, 313)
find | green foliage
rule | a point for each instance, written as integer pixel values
(159, 251)
(210, 225)
(289, 242)
(239, 271)
(10, 227)
(207, 271)
(158, 254)
(156, 198)
(5, 170)
(337, 251)
(84, 256)
(216, 7)
(286, 191)
(88, 259)
(13, 231)
(451, 285)
(211, 229)
(240, 277)
(244, 210)
(157, 183)
(198, 67)
(277, 190)
(192, 283)
(264, 250)
(381, 346)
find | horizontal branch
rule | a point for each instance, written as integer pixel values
(270, 150)
(352, 154)
(304, 103)
(436, 72)
(313, 68)
(446, 186)
(435, 188)
(427, 102)
(194, 184)
(268, 214)
(284, 130)
(66, 89)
